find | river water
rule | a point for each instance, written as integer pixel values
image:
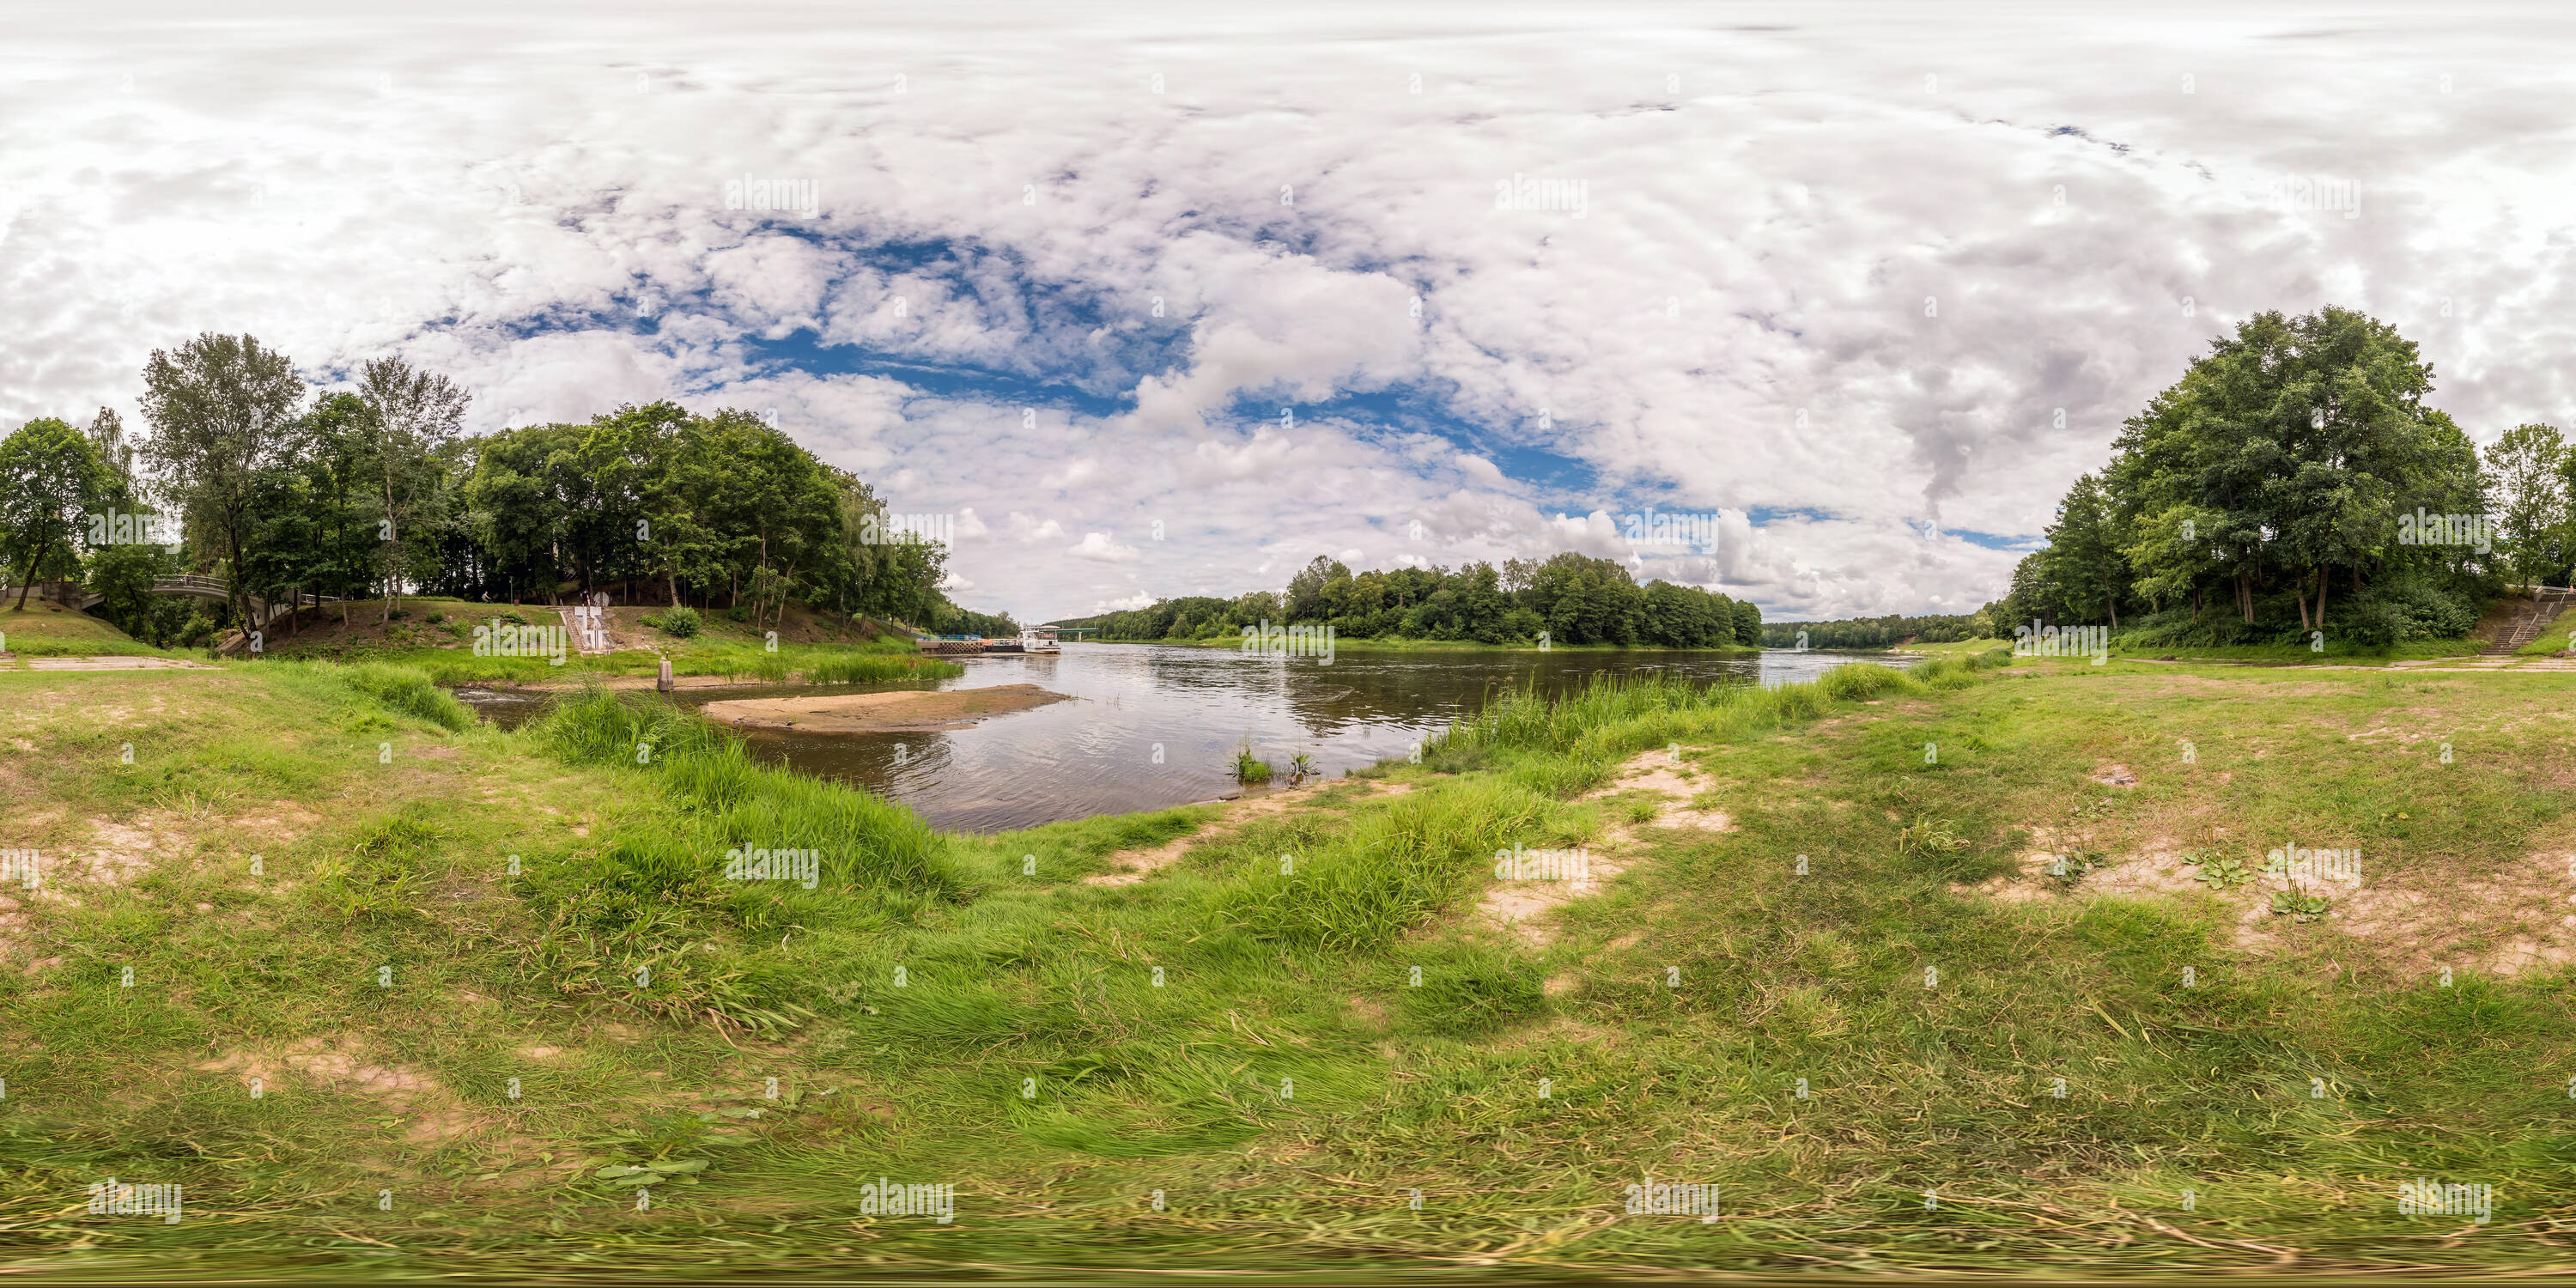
(1153, 726)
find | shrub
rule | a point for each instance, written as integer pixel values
(682, 621)
(2405, 608)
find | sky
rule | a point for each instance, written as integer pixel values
(1160, 300)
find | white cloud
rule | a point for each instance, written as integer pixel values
(1098, 547)
(1736, 325)
(1030, 531)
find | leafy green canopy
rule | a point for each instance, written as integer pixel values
(374, 489)
(2267, 485)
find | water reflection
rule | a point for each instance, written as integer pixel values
(1154, 726)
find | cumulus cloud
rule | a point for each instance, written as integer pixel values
(1868, 286)
(1098, 546)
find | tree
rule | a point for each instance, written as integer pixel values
(222, 411)
(2288, 448)
(49, 476)
(116, 456)
(2527, 495)
(412, 419)
(1306, 591)
(2084, 552)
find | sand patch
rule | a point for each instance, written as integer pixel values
(115, 663)
(1652, 771)
(2519, 918)
(2410, 925)
(1140, 864)
(408, 1092)
(120, 853)
(1707, 820)
(1521, 907)
(2057, 871)
(1655, 772)
(901, 710)
(1144, 863)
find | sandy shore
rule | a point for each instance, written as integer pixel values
(880, 712)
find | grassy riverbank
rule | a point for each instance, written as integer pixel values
(1226, 1062)
(437, 635)
(50, 630)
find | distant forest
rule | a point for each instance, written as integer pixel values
(1574, 599)
(1884, 632)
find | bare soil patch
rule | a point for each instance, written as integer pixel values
(1140, 864)
(1521, 907)
(437, 1114)
(111, 662)
(2411, 924)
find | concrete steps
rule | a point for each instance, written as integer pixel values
(2544, 609)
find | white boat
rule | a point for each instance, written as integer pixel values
(1040, 639)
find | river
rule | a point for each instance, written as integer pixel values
(1153, 726)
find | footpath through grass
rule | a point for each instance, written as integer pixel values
(1935, 982)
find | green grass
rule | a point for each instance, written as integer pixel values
(2554, 639)
(2337, 652)
(1957, 647)
(1244, 1030)
(51, 630)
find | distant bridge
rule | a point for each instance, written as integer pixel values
(192, 586)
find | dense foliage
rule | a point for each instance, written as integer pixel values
(2281, 487)
(1572, 598)
(1882, 632)
(374, 490)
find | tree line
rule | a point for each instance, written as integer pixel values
(1883, 632)
(2295, 483)
(373, 490)
(1572, 598)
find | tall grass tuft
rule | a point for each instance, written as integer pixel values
(731, 801)
(877, 667)
(1391, 872)
(410, 691)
